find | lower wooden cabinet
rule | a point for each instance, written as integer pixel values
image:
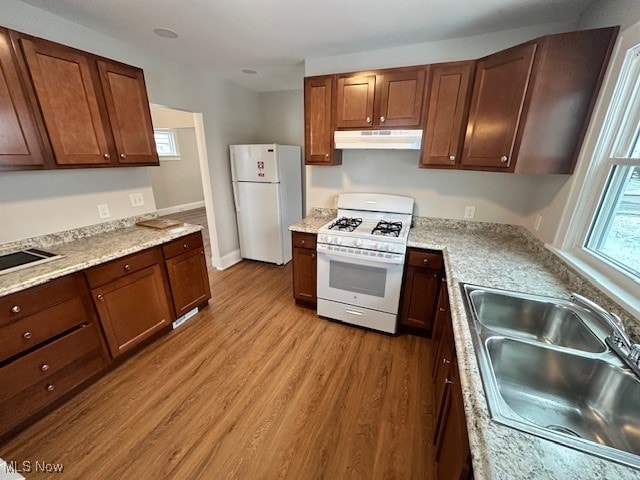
(421, 285)
(450, 438)
(132, 299)
(50, 343)
(304, 268)
(187, 271)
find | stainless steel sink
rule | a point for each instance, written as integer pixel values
(543, 320)
(543, 374)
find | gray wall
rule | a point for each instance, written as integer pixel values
(178, 182)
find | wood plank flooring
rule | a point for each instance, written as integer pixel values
(253, 387)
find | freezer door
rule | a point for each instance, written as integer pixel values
(259, 220)
(254, 163)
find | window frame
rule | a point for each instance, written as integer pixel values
(174, 156)
(613, 124)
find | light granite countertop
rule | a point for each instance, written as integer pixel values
(509, 257)
(84, 248)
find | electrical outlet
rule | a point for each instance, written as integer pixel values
(536, 224)
(103, 210)
(136, 199)
(469, 212)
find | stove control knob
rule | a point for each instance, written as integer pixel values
(358, 243)
(337, 240)
(327, 239)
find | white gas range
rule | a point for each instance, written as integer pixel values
(360, 260)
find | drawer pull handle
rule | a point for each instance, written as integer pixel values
(425, 261)
(303, 242)
(185, 246)
(15, 309)
(441, 309)
(448, 382)
(27, 335)
(446, 361)
(44, 368)
(51, 387)
(127, 267)
(99, 297)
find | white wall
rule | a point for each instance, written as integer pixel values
(231, 115)
(498, 197)
(605, 13)
(282, 115)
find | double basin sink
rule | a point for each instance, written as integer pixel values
(547, 371)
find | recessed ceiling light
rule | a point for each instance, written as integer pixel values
(165, 33)
(249, 71)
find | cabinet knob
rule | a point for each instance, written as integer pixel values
(303, 242)
(368, 119)
(504, 159)
(201, 252)
(107, 156)
(313, 255)
(382, 119)
(15, 309)
(446, 361)
(27, 335)
(123, 156)
(99, 297)
(44, 368)
(441, 309)
(326, 155)
(452, 158)
(185, 245)
(448, 382)
(425, 261)
(51, 387)
(127, 267)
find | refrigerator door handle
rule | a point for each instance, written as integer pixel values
(235, 197)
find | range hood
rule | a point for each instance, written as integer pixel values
(378, 139)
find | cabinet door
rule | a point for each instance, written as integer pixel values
(355, 101)
(189, 280)
(453, 461)
(419, 299)
(66, 90)
(128, 107)
(400, 98)
(447, 109)
(499, 93)
(132, 308)
(304, 275)
(442, 316)
(20, 141)
(318, 122)
(442, 377)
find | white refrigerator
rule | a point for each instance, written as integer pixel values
(267, 192)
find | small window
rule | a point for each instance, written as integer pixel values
(166, 143)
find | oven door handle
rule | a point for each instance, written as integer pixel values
(395, 258)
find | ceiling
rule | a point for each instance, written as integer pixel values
(275, 36)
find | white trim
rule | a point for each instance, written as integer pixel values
(170, 158)
(203, 158)
(180, 208)
(229, 260)
(621, 296)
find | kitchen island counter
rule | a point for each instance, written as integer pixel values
(508, 257)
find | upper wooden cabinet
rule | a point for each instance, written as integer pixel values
(93, 111)
(446, 109)
(21, 145)
(128, 109)
(531, 104)
(387, 98)
(319, 121)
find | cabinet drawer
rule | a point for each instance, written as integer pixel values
(420, 258)
(46, 361)
(106, 273)
(22, 304)
(34, 398)
(23, 334)
(304, 240)
(181, 245)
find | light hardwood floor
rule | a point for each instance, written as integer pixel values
(253, 387)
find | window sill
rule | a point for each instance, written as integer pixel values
(623, 297)
(170, 158)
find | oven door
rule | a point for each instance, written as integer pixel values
(356, 280)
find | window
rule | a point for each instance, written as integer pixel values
(166, 142)
(600, 234)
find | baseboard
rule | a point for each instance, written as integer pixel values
(229, 260)
(180, 208)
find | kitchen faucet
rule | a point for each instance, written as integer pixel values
(618, 340)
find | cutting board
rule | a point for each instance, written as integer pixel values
(160, 223)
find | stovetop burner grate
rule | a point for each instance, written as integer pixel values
(387, 229)
(345, 223)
